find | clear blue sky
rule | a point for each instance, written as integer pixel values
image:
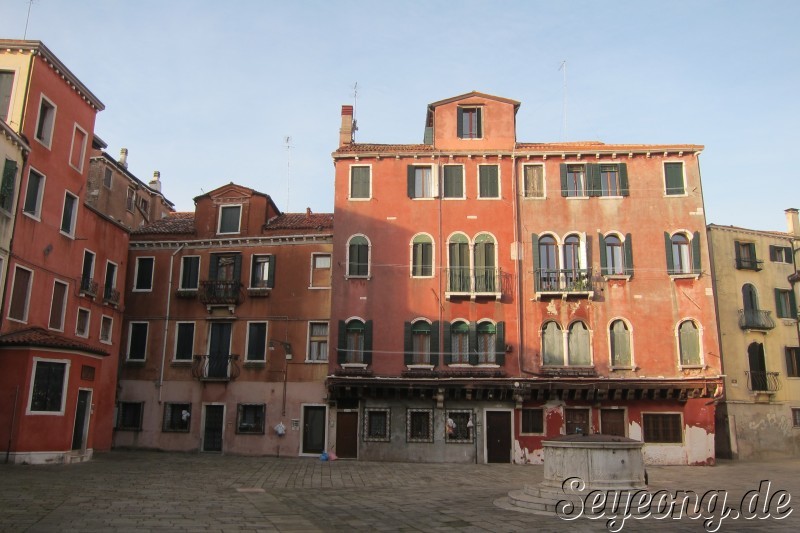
(206, 91)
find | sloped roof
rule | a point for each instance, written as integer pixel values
(470, 95)
(174, 223)
(315, 221)
(41, 338)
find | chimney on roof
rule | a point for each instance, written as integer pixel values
(346, 131)
(155, 183)
(792, 222)
(308, 212)
(123, 157)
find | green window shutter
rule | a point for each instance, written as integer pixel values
(427, 259)
(408, 344)
(500, 343)
(668, 247)
(623, 179)
(563, 170)
(593, 179)
(603, 261)
(535, 257)
(789, 363)
(588, 246)
(473, 343)
(696, 264)
(368, 342)
(792, 304)
(410, 177)
(779, 310)
(673, 173)
(7, 186)
(480, 121)
(460, 123)
(271, 272)
(435, 343)
(341, 345)
(628, 245)
(447, 344)
(737, 252)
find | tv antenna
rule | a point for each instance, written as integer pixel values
(27, 18)
(564, 104)
(355, 102)
(288, 141)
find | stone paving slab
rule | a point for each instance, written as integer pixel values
(152, 491)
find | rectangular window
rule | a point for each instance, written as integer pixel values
(137, 341)
(796, 417)
(82, 323)
(533, 181)
(609, 180)
(458, 426)
(532, 421)
(20, 294)
(673, 178)
(453, 181)
(129, 416)
(575, 184)
(184, 341)
(785, 305)
(88, 285)
(421, 182)
(419, 425)
(256, 341)
(229, 218)
(360, 183)
(488, 181)
(6, 87)
(746, 256)
(261, 272)
(130, 201)
(376, 425)
(322, 261)
(780, 254)
(470, 123)
(110, 293)
(107, 175)
(47, 391)
(320, 270)
(251, 418)
(33, 194)
(106, 329)
(177, 417)
(317, 341)
(69, 214)
(8, 185)
(58, 306)
(78, 151)
(792, 362)
(144, 274)
(44, 125)
(663, 428)
(190, 272)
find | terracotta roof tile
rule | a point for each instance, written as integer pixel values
(315, 221)
(180, 223)
(592, 145)
(42, 338)
(381, 148)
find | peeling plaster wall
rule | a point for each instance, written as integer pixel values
(764, 431)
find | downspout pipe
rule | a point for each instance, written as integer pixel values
(166, 322)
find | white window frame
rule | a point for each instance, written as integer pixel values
(63, 304)
(130, 335)
(314, 268)
(36, 361)
(175, 343)
(347, 258)
(463, 182)
(37, 215)
(269, 265)
(309, 339)
(411, 256)
(110, 329)
(79, 167)
(15, 73)
(247, 360)
(74, 219)
(199, 266)
(85, 334)
(350, 183)
(114, 279)
(585, 191)
(136, 274)
(499, 182)
(522, 181)
(482, 120)
(27, 295)
(219, 219)
(47, 141)
(664, 178)
(434, 181)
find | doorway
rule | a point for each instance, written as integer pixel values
(347, 434)
(219, 349)
(313, 429)
(577, 421)
(498, 436)
(758, 367)
(82, 413)
(213, 424)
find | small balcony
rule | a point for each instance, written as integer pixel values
(110, 296)
(481, 281)
(88, 287)
(215, 292)
(215, 367)
(746, 263)
(755, 319)
(564, 281)
(759, 381)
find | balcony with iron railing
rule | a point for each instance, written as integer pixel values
(110, 296)
(759, 381)
(746, 263)
(755, 319)
(576, 281)
(216, 292)
(88, 286)
(215, 367)
(480, 281)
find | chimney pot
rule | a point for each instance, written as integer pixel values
(346, 131)
(123, 157)
(792, 221)
(155, 183)
(308, 212)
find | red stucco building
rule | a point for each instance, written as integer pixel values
(61, 310)
(489, 294)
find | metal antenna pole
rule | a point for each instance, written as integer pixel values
(355, 102)
(25, 34)
(288, 141)
(564, 105)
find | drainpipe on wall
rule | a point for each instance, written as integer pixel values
(166, 322)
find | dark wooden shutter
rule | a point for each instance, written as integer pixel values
(460, 123)
(588, 245)
(473, 343)
(696, 264)
(737, 252)
(668, 248)
(500, 343)
(593, 179)
(408, 344)
(479, 114)
(368, 342)
(792, 304)
(447, 344)
(790, 370)
(213, 263)
(563, 169)
(535, 257)
(623, 179)
(779, 311)
(435, 343)
(341, 345)
(271, 274)
(628, 255)
(603, 262)
(410, 178)
(7, 186)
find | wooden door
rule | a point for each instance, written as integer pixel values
(577, 421)
(313, 429)
(498, 437)
(214, 423)
(81, 417)
(347, 434)
(612, 422)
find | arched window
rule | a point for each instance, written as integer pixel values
(459, 342)
(548, 264)
(358, 257)
(572, 261)
(552, 344)
(749, 298)
(620, 340)
(421, 342)
(422, 256)
(485, 271)
(486, 342)
(578, 345)
(615, 258)
(355, 341)
(689, 341)
(681, 254)
(458, 261)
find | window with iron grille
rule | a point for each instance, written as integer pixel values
(662, 427)
(419, 425)
(129, 416)
(532, 421)
(177, 417)
(49, 378)
(458, 426)
(377, 425)
(251, 418)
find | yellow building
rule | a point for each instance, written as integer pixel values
(755, 276)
